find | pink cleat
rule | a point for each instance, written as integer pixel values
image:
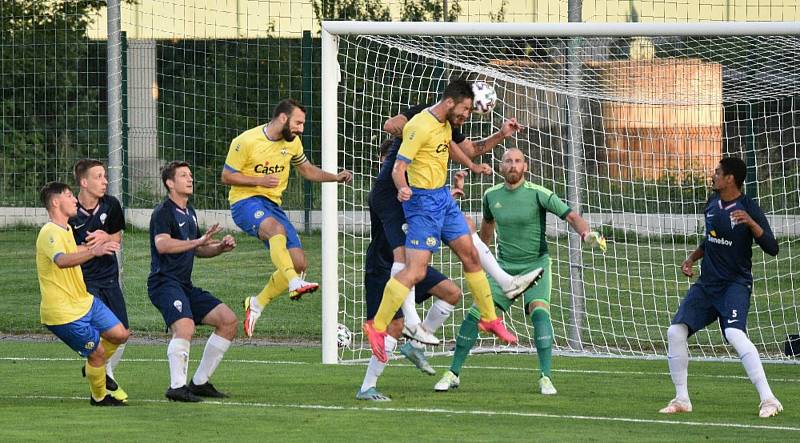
(298, 287)
(376, 341)
(497, 328)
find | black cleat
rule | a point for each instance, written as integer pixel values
(107, 401)
(182, 394)
(111, 385)
(206, 390)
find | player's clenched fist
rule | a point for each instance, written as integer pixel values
(344, 176)
(404, 193)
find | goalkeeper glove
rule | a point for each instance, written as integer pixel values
(594, 238)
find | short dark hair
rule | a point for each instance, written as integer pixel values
(168, 171)
(286, 106)
(50, 190)
(735, 166)
(385, 146)
(82, 168)
(458, 90)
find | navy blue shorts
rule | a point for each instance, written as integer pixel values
(390, 215)
(704, 304)
(176, 301)
(249, 213)
(433, 216)
(83, 334)
(110, 293)
(375, 283)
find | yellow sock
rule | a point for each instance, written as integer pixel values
(276, 286)
(97, 381)
(280, 256)
(393, 296)
(110, 348)
(481, 294)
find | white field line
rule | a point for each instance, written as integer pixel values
(696, 374)
(474, 412)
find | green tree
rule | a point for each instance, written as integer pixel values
(429, 10)
(51, 93)
(372, 10)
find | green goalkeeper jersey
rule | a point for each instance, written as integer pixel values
(520, 217)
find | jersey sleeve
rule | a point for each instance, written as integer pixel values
(457, 136)
(298, 156)
(237, 156)
(51, 244)
(487, 210)
(116, 217)
(414, 137)
(161, 222)
(767, 240)
(552, 203)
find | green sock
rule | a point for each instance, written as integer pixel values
(467, 336)
(543, 338)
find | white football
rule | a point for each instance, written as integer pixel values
(343, 336)
(485, 97)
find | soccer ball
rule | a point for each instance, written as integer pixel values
(343, 336)
(485, 98)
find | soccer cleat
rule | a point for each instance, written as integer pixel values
(769, 408)
(182, 394)
(108, 400)
(418, 333)
(299, 287)
(521, 283)
(372, 394)
(546, 386)
(497, 328)
(448, 382)
(205, 390)
(417, 356)
(251, 315)
(676, 406)
(376, 341)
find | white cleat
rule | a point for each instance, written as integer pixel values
(769, 408)
(251, 313)
(521, 283)
(299, 287)
(676, 406)
(546, 386)
(448, 382)
(418, 333)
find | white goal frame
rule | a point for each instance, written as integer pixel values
(331, 77)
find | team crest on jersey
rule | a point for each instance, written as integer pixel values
(284, 151)
(103, 218)
(52, 240)
(413, 134)
(178, 305)
(258, 214)
(498, 205)
(89, 345)
(430, 242)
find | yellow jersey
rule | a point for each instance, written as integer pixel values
(64, 295)
(426, 147)
(254, 155)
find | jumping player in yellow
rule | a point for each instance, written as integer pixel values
(67, 309)
(257, 169)
(419, 173)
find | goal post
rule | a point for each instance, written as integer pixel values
(624, 121)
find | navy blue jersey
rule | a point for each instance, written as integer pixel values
(178, 223)
(106, 216)
(728, 247)
(379, 257)
(384, 182)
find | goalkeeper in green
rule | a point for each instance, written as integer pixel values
(517, 210)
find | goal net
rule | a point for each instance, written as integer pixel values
(625, 127)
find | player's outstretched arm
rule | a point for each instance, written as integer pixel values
(85, 253)
(165, 244)
(394, 125)
(581, 226)
(232, 178)
(312, 173)
(458, 155)
(480, 147)
(759, 226)
(215, 248)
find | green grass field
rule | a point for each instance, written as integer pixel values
(285, 394)
(282, 389)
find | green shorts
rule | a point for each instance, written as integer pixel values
(539, 292)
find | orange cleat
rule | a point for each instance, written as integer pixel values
(497, 328)
(376, 341)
